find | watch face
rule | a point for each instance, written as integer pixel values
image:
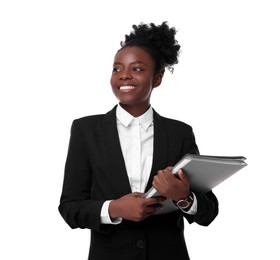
(183, 204)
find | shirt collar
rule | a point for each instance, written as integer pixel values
(126, 119)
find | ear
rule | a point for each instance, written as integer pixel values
(157, 80)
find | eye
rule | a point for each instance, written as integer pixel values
(137, 69)
(116, 69)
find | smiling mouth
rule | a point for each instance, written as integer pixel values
(126, 88)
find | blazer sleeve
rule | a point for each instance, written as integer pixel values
(207, 204)
(207, 209)
(76, 206)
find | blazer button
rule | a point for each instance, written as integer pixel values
(140, 244)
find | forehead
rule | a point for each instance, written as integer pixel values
(132, 55)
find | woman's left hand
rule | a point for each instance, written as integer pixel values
(170, 186)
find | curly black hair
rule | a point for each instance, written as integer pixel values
(159, 41)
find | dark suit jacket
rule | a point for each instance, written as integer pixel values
(95, 172)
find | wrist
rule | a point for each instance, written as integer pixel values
(183, 195)
(114, 210)
(185, 203)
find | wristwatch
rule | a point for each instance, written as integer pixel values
(185, 203)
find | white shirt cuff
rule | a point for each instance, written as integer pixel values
(105, 217)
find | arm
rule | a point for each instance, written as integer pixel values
(171, 187)
(134, 207)
(207, 209)
(207, 204)
(76, 206)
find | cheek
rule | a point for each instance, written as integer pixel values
(112, 80)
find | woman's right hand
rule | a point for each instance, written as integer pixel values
(134, 207)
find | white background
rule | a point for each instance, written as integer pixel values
(55, 64)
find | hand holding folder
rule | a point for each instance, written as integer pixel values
(204, 173)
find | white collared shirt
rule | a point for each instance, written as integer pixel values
(136, 139)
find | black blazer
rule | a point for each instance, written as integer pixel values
(95, 172)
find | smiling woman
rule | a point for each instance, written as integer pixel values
(133, 79)
(115, 157)
(140, 65)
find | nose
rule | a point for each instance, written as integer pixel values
(125, 75)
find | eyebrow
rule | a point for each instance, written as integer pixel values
(132, 63)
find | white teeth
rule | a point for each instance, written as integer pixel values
(126, 87)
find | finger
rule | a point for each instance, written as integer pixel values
(169, 168)
(161, 176)
(138, 194)
(154, 201)
(183, 177)
(153, 208)
(169, 176)
(159, 199)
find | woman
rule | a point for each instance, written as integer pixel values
(115, 157)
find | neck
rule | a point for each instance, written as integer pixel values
(135, 111)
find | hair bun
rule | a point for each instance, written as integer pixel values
(158, 39)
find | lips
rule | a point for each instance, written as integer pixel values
(126, 88)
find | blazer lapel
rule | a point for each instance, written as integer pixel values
(115, 161)
(114, 157)
(160, 148)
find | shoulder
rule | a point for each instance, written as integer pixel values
(95, 121)
(171, 123)
(88, 120)
(179, 134)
